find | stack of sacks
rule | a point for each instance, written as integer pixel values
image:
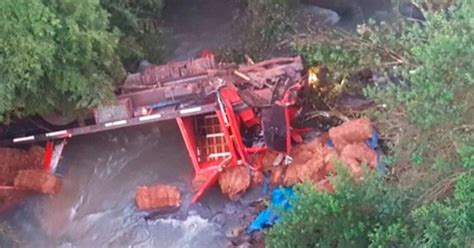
(314, 162)
(14, 160)
(349, 140)
(38, 180)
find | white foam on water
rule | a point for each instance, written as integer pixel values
(198, 232)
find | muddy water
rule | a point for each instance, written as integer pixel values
(96, 207)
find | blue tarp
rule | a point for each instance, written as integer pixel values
(280, 202)
(374, 140)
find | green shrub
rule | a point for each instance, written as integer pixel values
(439, 224)
(341, 219)
(426, 117)
(374, 213)
(55, 55)
(434, 112)
(135, 21)
(429, 107)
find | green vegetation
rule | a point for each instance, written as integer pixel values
(376, 214)
(54, 53)
(65, 55)
(263, 24)
(268, 20)
(135, 20)
(426, 119)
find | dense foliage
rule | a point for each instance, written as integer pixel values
(140, 38)
(425, 113)
(261, 25)
(54, 54)
(65, 55)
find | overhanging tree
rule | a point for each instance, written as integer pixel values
(55, 55)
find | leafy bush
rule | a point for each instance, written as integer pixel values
(341, 219)
(427, 108)
(439, 224)
(54, 54)
(434, 112)
(373, 213)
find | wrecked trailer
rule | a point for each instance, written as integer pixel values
(228, 114)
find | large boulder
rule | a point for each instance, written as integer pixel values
(355, 8)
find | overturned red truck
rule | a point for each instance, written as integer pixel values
(228, 114)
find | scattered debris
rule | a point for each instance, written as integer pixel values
(280, 202)
(157, 196)
(277, 174)
(38, 181)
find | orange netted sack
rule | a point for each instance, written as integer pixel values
(157, 196)
(39, 181)
(14, 160)
(353, 131)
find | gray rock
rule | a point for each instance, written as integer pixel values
(314, 14)
(219, 218)
(230, 209)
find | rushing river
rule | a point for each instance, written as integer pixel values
(96, 206)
